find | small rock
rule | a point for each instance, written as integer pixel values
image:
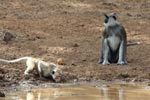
(123, 75)
(148, 84)
(84, 60)
(128, 14)
(75, 80)
(2, 94)
(8, 37)
(75, 45)
(73, 64)
(60, 61)
(61, 37)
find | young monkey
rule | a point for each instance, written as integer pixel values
(44, 69)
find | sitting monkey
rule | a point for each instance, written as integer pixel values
(114, 42)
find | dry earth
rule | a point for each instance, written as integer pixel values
(71, 30)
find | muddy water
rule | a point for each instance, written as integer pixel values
(88, 91)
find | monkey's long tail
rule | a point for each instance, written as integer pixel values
(133, 43)
(16, 60)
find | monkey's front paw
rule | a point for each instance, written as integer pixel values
(122, 63)
(105, 63)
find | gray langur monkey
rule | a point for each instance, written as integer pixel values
(114, 42)
(44, 69)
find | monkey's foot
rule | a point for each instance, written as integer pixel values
(105, 63)
(121, 62)
(25, 73)
(100, 62)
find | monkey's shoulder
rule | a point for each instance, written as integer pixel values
(44, 64)
(117, 30)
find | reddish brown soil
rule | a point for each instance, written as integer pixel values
(71, 30)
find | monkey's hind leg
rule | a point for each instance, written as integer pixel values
(30, 66)
(106, 51)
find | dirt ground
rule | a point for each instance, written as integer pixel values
(71, 30)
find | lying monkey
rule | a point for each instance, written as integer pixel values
(44, 69)
(114, 42)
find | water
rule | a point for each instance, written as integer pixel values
(85, 91)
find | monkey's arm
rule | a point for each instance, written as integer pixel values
(123, 33)
(39, 65)
(123, 47)
(101, 49)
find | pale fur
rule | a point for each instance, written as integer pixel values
(44, 69)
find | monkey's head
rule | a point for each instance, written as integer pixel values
(110, 20)
(56, 72)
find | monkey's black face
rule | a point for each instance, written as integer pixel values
(56, 74)
(107, 17)
(110, 20)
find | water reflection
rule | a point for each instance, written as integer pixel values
(109, 92)
(125, 93)
(112, 94)
(64, 94)
(91, 94)
(30, 96)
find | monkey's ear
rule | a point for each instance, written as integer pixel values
(114, 15)
(106, 16)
